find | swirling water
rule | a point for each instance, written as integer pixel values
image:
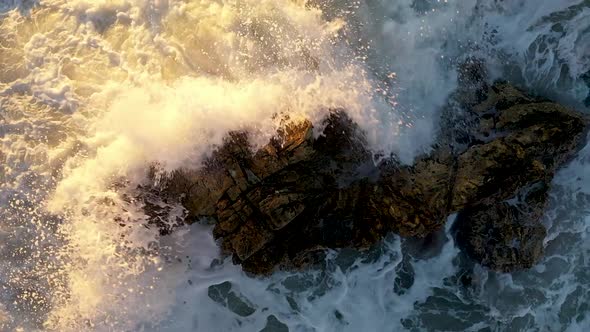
(92, 93)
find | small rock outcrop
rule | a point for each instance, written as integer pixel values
(283, 205)
(508, 235)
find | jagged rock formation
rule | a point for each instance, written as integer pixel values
(282, 205)
(507, 235)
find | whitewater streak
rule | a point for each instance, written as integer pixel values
(93, 94)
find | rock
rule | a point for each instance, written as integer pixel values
(414, 200)
(493, 171)
(531, 141)
(518, 141)
(274, 325)
(505, 236)
(283, 205)
(266, 203)
(225, 295)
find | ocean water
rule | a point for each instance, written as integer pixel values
(94, 94)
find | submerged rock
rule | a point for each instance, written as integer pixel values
(283, 205)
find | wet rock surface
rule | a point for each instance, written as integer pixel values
(283, 205)
(505, 236)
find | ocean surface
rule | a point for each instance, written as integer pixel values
(96, 93)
